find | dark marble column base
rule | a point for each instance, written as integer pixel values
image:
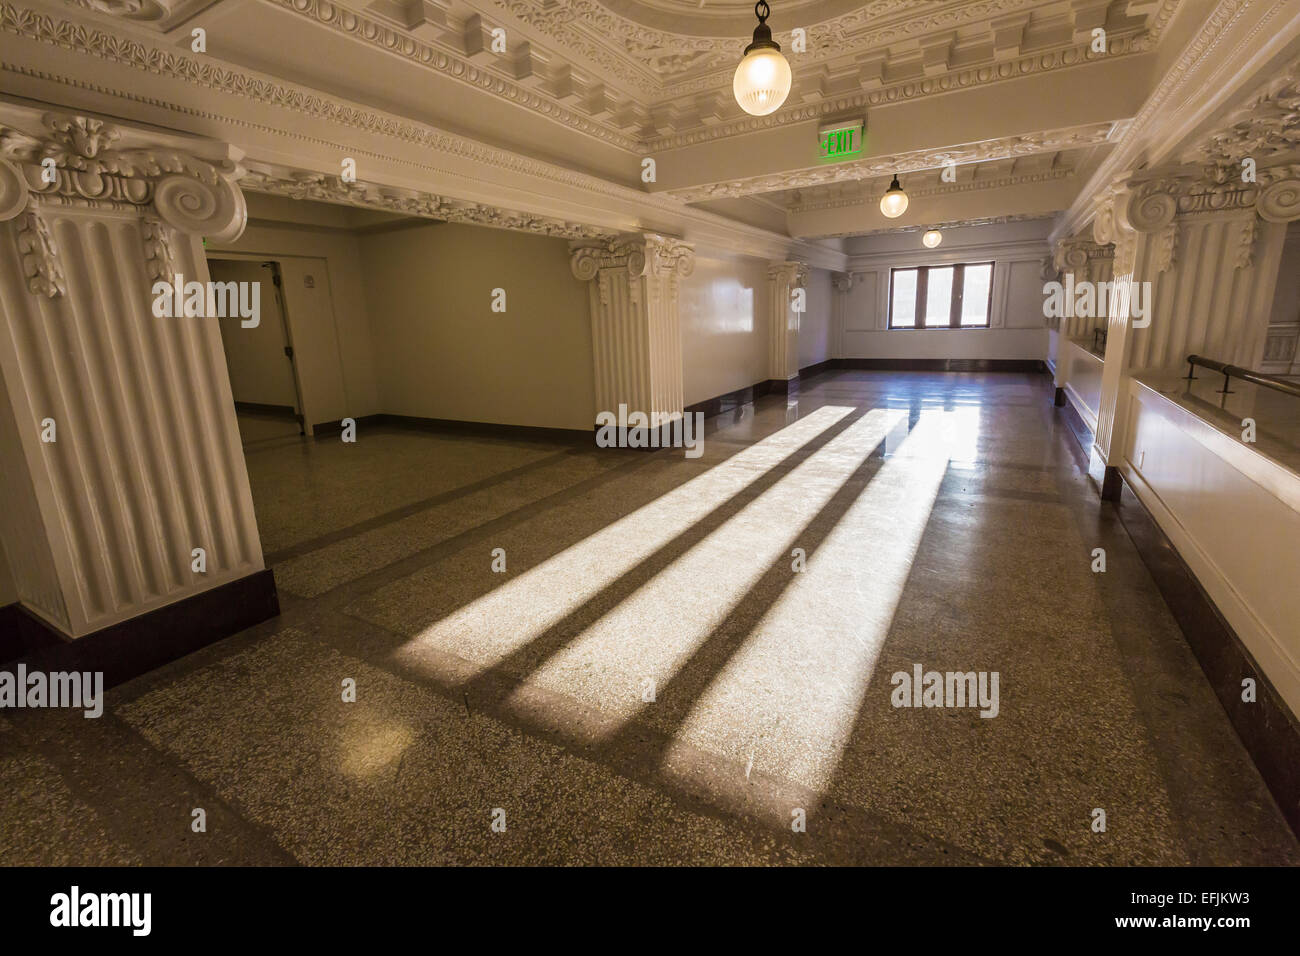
(131, 648)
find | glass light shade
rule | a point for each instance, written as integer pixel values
(931, 238)
(894, 202)
(762, 81)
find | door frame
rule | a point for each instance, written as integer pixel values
(277, 285)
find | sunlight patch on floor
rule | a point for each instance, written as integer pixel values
(787, 700)
(641, 643)
(507, 618)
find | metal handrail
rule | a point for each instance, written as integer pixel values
(1245, 374)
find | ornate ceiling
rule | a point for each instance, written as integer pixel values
(656, 74)
(596, 85)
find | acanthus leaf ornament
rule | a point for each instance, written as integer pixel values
(40, 255)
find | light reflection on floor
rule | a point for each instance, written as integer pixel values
(536, 599)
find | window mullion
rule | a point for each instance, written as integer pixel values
(954, 306)
(922, 295)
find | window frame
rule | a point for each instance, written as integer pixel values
(956, 297)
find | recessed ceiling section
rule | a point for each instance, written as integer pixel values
(643, 74)
(1047, 142)
(1030, 186)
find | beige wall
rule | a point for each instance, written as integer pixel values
(724, 313)
(1018, 329)
(815, 324)
(327, 316)
(440, 350)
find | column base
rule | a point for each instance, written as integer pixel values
(789, 387)
(134, 647)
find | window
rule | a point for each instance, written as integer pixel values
(941, 297)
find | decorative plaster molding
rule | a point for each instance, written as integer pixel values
(677, 64)
(1153, 199)
(900, 92)
(950, 224)
(842, 281)
(1008, 147)
(160, 257)
(40, 256)
(75, 161)
(1178, 86)
(639, 253)
(1245, 253)
(375, 33)
(207, 74)
(630, 61)
(793, 274)
(1076, 255)
(1266, 128)
(872, 196)
(303, 184)
(127, 9)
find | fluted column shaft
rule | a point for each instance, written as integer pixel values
(787, 291)
(121, 454)
(634, 283)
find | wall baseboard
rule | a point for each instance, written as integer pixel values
(1078, 427)
(1266, 727)
(259, 408)
(479, 429)
(719, 404)
(141, 644)
(816, 368)
(941, 365)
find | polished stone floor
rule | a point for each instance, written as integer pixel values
(679, 660)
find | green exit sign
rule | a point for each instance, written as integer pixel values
(838, 141)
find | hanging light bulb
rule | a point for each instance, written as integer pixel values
(932, 238)
(762, 80)
(894, 202)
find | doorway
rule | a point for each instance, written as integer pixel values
(260, 358)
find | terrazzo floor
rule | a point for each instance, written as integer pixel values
(679, 660)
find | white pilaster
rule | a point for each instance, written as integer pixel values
(787, 293)
(100, 524)
(635, 321)
(841, 286)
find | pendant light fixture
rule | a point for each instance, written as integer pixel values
(762, 80)
(932, 238)
(894, 202)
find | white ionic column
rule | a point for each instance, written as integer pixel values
(120, 451)
(635, 321)
(787, 284)
(1207, 251)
